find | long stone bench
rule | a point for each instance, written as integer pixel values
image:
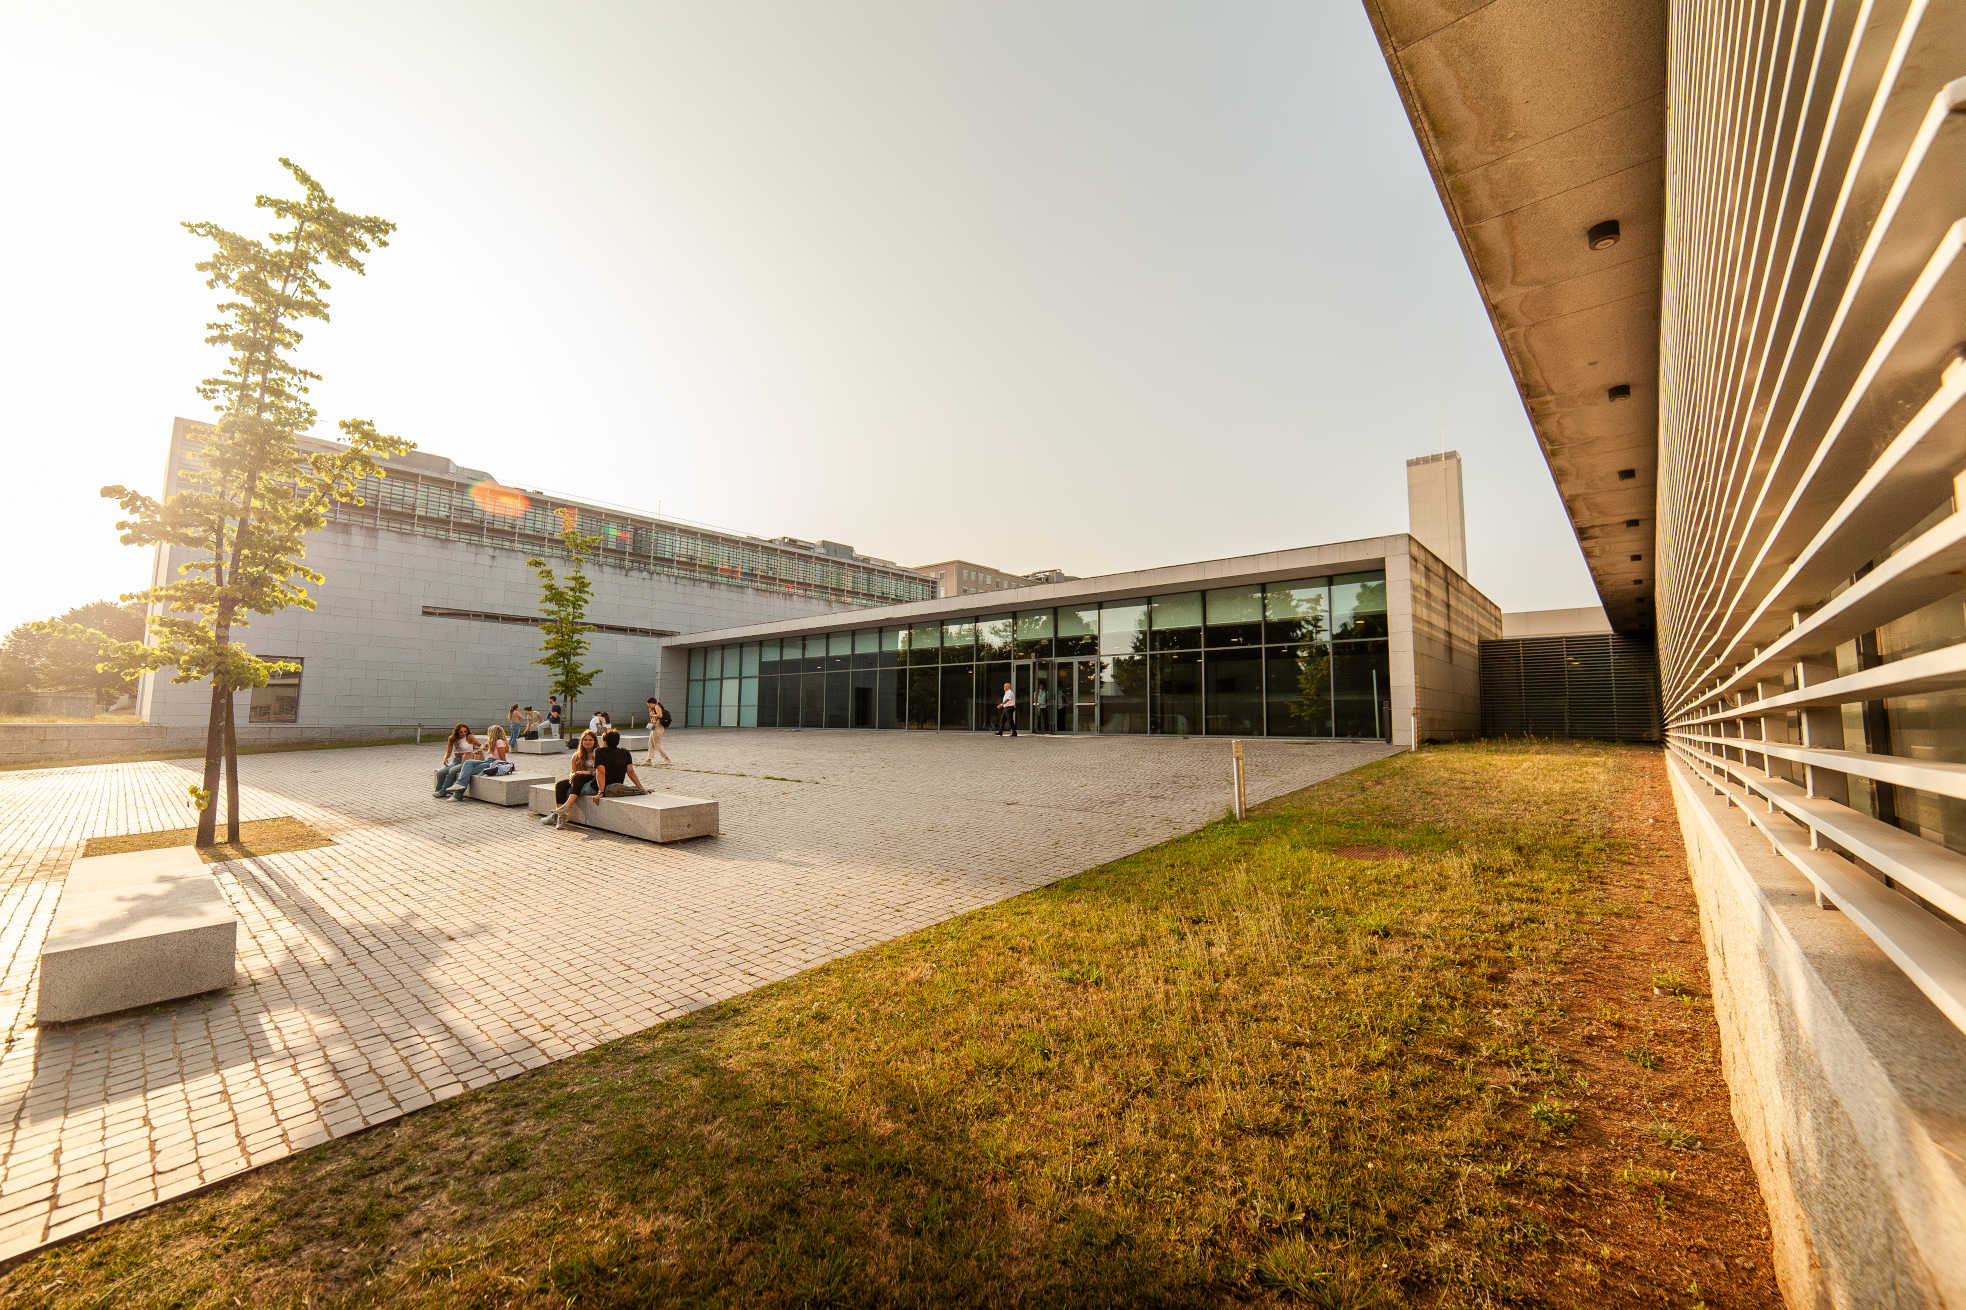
(135, 929)
(508, 789)
(541, 746)
(658, 816)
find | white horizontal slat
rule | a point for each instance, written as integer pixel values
(1930, 870)
(1918, 942)
(1939, 777)
(1933, 671)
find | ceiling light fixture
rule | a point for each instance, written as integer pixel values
(1603, 236)
(1626, 475)
(1623, 391)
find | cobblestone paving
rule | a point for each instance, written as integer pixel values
(439, 946)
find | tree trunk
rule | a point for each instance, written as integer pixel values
(231, 774)
(214, 744)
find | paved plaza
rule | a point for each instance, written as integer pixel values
(439, 946)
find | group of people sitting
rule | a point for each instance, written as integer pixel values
(465, 757)
(599, 767)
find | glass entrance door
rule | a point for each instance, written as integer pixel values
(1024, 681)
(1074, 695)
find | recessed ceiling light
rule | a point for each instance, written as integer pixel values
(1637, 558)
(1623, 391)
(1603, 236)
(1626, 475)
(1631, 523)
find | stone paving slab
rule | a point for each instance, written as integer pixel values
(438, 946)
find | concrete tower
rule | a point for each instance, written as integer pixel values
(1434, 509)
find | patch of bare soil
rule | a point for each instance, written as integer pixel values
(256, 837)
(1661, 1205)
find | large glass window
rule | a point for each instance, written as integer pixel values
(747, 703)
(839, 696)
(812, 700)
(839, 652)
(925, 644)
(788, 700)
(1234, 681)
(993, 637)
(279, 700)
(866, 648)
(958, 641)
(1034, 635)
(1358, 605)
(957, 696)
(768, 701)
(1078, 630)
(814, 660)
(1361, 690)
(1234, 617)
(768, 658)
(750, 660)
(1177, 621)
(990, 679)
(1177, 692)
(1123, 629)
(861, 708)
(693, 706)
(1296, 611)
(730, 702)
(1123, 692)
(696, 665)
(713, 662)
(1300, 691)
(891, 698)
(924, 696)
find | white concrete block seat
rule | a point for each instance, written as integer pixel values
(509, 789)
(657, 817)
(134, 929)
(541, 746)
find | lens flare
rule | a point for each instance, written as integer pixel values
(506, 502)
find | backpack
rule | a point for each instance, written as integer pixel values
(665, 718)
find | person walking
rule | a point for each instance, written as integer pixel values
(1007, 711)
(658, 724)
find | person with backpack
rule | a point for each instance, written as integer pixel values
(658, 724)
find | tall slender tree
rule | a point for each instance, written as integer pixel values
(563, 637)
(251, 493)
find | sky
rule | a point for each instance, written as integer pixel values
(1090, 286)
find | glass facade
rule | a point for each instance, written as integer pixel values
(1303, 658)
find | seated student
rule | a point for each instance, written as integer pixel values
(490, 760)
(459, 750)
(580, 780)
(617, 768)
(532, 722)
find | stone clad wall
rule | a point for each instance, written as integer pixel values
(1450, 620)
(372, 657)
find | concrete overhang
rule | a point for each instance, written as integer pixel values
(1540, 119)
(1360, 556)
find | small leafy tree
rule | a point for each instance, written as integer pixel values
(66, 653)
(251, 494)
(563, 639)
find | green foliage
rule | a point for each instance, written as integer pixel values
(66, 653)
(563, 640)
(250, 493)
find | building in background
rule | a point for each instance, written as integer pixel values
(1724, 250)
(961, 577)
(1376, 639)
(1435, 507)
(429, 613)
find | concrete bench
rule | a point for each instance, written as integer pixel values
(657, 817)
(135, 929)
(509, 789)
(541, 746)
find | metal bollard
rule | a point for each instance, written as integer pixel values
(1242, 797)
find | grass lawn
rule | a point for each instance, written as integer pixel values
(256, 837)
(1466, 1061)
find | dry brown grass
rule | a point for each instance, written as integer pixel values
(256, 837)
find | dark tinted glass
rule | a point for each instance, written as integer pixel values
(1300, 691)
(1235, 692)
(993, 639)
(1177, 621)
(788, 700)
(812, 700)
(1361, 691)
(1297, 611)
(891, 697)
(839, 695)
(768, 701)
(1078, 630)
(990, 679)
(1177, 692)
(1234, 617)
(1123, 693)
(1123, 627)
(861, 710)
(1358, 605)
(1034, 634)
(924, 696)
(958, 690)
(958, 641)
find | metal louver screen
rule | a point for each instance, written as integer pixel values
(1601, 685)
(1812, 446)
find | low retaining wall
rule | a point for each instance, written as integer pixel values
(1847, 1085)
(78, 703)
(78, 743)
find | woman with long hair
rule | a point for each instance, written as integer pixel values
(658, 724)
(461, 748)
(579, 779)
